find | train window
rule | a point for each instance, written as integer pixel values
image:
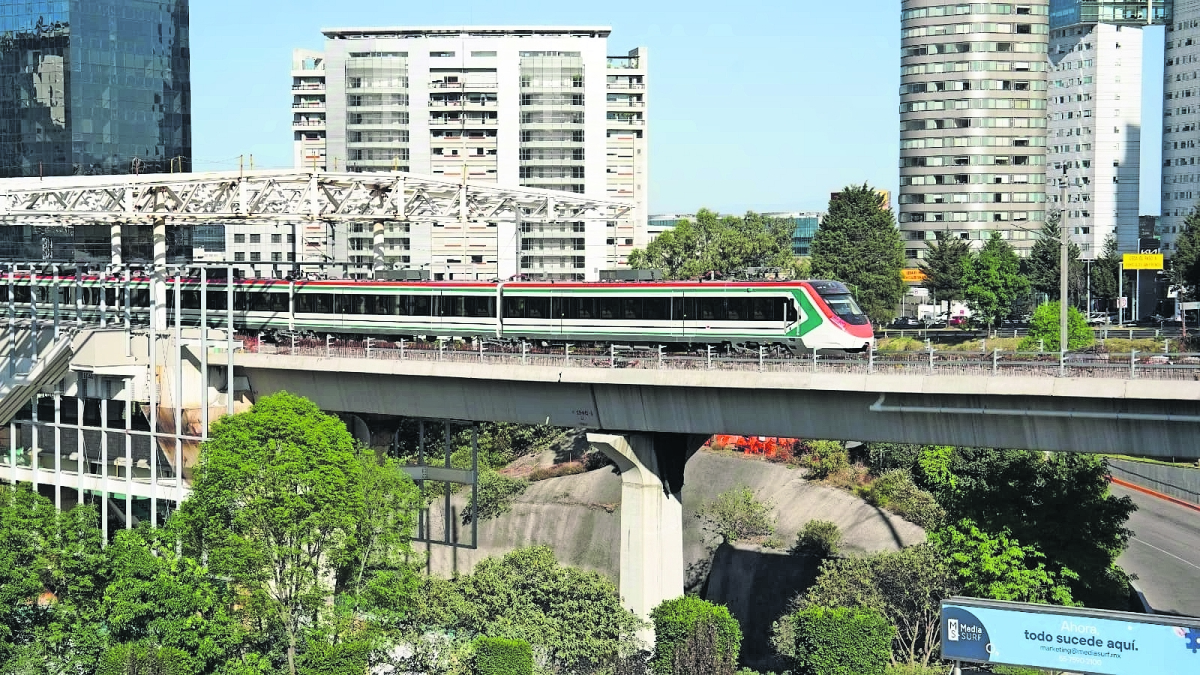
(631, 309)
(216, 300)
(259, 302)
(481, 307)
(789, 311)
(451, 305)
(239, 300)
(191, 299)
(737, 309)
(141, 297)
(537, 308)
(355, 304)
(514, 308)
(422, 305)
(21, 294)
(711, 309)
(610, 308)
(385, 305)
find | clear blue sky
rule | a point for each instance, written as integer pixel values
(757, 104)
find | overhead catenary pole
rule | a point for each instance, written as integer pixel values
(1063, 262)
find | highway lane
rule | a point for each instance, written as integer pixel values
(1164, 553)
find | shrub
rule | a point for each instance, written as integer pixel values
(896, 492)
(735, 514)
(141, 659)
(567, 469)
(323, 658)
(913, 669)
(1043, 330)
(496, 495)
(700, 653)
(497, 656)
(820, 538)
(842, 641)
(825, 457)
(675, 621)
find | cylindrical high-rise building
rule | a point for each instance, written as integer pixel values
(972, 122)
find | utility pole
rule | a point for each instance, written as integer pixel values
(1063, 273)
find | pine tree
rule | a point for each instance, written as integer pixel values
(1105, 269)
(943, 265)
(1185, 263)
(994, 280)
(1041, 267)
(858, 244)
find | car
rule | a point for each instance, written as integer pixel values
(959, 321)
(905, 323)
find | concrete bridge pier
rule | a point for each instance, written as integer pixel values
(651, 467)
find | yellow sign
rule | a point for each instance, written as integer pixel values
(1143, 261)
(913, 275)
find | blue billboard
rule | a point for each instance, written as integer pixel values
(1068, 638)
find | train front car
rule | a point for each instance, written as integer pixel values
(838, 322)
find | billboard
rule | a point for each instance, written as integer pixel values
(913, 275)
(1143, 261)
(1069, 638)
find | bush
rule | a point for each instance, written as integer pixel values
(567, 469)
(700, 653)
(343, 658)
(1043, 330)
(819, 538)
(497, 656)
(896, 492)
(913, 669)
(496, 495)
(676, 621)
(141, 659)
(823, 458)
(735, 514)
(842, 641)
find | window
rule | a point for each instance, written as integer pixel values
(255, 256)
(276, 257)
(440, 55)
(239, 238)
(256, 239)
(239, 257)
(277, 239)
(483, 55)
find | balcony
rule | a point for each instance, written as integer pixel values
(464, 86)
(626, 122)
(459, 105)
(624, 62)
(626, 86)
(626, 104)
(319, 105)
(309, 87)
(308, 124)
(463, 122)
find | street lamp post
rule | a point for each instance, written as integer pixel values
(1063, 261)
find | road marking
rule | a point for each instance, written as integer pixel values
(1185, 562)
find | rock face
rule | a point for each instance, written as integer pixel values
(579, 517)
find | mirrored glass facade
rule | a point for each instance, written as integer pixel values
(94, 87)
(1125, 12)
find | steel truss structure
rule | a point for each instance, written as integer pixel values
(286, 196)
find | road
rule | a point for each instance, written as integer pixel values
(1164, 553)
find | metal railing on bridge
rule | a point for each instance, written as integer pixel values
(1126, 366)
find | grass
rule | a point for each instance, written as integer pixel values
(1188, 464)
(556, 471)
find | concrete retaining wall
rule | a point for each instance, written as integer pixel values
(1178, 482)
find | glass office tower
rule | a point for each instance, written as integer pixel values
(94, 87)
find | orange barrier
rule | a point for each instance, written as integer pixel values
(1155, 493)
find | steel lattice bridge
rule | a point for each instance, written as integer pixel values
(286, 196)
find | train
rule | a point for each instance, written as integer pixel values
(797, 316)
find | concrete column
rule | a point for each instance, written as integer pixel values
(651, 517)
(377, 245)
(158, 277)
(114, 236)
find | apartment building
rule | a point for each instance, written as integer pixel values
(973, 129)
(1181, 96)
(543, 107)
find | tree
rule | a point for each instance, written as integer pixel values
(858, 243)
(998, 567)
(994, 280)
(842, 641)
(1044, 329)
(574, 617)
(1185, 263)
(687, 619)
(736, 514)
(1042, 265)
(280, 506)
(720, 245)
(1105, 284)
(944, 267)
(906, 587)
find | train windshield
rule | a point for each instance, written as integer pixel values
(844, 306)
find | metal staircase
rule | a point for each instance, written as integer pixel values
(21, 377)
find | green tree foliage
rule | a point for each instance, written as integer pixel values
(496, 495)
(737, 514)
(1060, 505)
(896, 492)
(1185, 261)
(720, 245)
(498, 656)
(858, 243)
(944, 267)
(1044, 330)
(1042, 265)
(994, 280)
(677, 620)
(906, 587)
(572, 616)
(280, 506)
(842, 641)
(820, 538)
(1105, 284)
(999, 567)
(824, 458)
(141, 659)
